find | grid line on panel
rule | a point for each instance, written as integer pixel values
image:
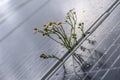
(19, 25)
(3, 18)
(106, 51)
(110, 67)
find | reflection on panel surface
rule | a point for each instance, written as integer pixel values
(20, 47)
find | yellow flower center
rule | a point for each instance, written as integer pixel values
(50, 23)
(36, 29)
(59, 23)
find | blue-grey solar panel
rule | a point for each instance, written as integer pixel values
(20, 47)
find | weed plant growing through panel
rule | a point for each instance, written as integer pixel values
(56, 32)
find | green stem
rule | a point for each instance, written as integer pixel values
(55, 40)
(63, 38)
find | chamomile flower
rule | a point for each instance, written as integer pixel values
(59, 23)
(50, 24)
(36, 29)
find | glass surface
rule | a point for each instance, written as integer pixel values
(20, 47)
